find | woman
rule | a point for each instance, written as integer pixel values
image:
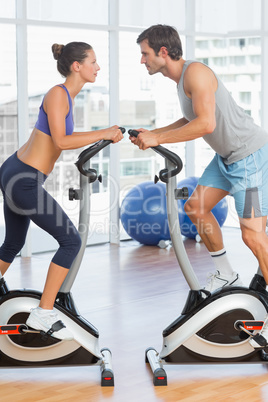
(23, 174)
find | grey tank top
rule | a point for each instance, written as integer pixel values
(236, 135)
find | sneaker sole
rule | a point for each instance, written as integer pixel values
(29, 323)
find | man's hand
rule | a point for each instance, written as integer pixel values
(146, 139)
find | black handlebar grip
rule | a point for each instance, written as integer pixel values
(133, 133)
(88, 153)
(164, 174)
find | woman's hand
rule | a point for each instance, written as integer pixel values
(113, 133)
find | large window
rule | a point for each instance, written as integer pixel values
(143, 13)
(86, 12)
(8, 94)
(8, 9)
(8, 91)
(228, 16)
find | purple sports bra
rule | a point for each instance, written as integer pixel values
(42, 121)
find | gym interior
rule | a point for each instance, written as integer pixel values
(129, 285)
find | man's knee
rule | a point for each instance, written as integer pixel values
(191, 208)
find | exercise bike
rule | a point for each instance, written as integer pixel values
(213, 327)
(21, 346)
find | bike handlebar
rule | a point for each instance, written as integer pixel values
(88, 153)
(164, 174)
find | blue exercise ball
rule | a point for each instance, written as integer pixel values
(188, 229)
(144, 213)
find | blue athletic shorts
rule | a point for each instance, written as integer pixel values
(246, 180)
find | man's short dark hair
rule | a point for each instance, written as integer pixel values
(163, 35)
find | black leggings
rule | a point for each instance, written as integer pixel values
(25, 199)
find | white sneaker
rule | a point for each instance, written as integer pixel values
(48, 322)
(260, 340)
(217, 281)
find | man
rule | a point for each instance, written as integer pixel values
(240, 165)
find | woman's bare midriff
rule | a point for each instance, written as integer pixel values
(39, 152)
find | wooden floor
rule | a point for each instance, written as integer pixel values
(131, 293)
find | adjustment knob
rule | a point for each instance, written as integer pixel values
(75, 194)
(181, 193)
(156, 179)
(185, 193)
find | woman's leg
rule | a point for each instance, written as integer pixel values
(25, 199)
(33, 202)
(55, 277)
(4, 267)
(54, 221)
(16, 227)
